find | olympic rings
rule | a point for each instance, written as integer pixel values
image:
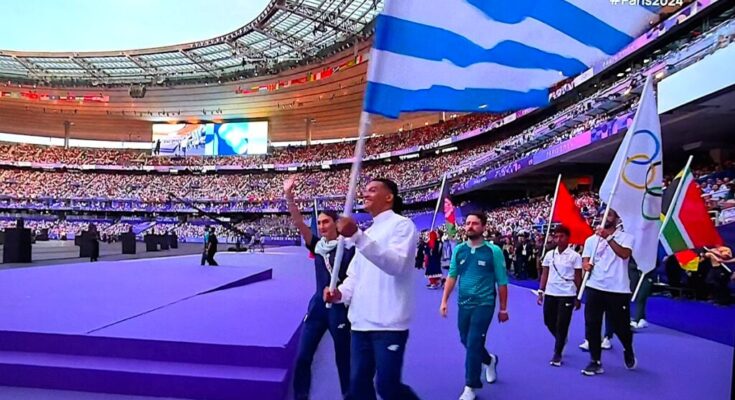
(650, 177)
(653, 191)
(655, 142)
(643, 159)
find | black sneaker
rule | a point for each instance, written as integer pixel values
(630, 361)
(555, 361)
(593, 368)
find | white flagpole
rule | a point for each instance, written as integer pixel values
(439, 201)
(669, 212)
(351, 194)
(602, 225)
(638, 287)
(551, 217)
(615, 185)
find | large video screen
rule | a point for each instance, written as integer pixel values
(226, 139)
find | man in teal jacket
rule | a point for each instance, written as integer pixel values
(480, 267)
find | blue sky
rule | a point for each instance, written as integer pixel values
(98, 25)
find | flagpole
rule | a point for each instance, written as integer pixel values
(351, 194)
(439, 201)
(669, 213)
(649, 82)
(592, 258)
(551, 217)
(602, 225)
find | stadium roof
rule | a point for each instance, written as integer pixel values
(287, 33)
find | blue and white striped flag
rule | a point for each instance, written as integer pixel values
(490, 55)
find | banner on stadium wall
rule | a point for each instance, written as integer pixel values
(652, 35)
(604, 131)
(35, 96)
(561, 88)
(310, 76)
(583, 77)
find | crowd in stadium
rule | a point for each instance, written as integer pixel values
(516, 224)
(278, 155)
(252, 187)
(516, 218)
(25, 184)
(494, 172)
(22, 185)
(275, 226)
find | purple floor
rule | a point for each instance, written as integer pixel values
(158, 327)
(221, 317)
(673, 364)
(697, 318)
(81, 298)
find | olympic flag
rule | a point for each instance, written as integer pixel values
(634, 182)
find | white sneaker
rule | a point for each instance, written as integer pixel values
(491, 371)
(585, 346)
(606, 345)
(633, 325)
(642, 324)
(468, 394)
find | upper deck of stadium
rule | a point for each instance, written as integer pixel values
(301, 64)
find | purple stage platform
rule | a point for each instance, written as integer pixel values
(161, 327)
(240, 342)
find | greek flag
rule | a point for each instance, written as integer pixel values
(490, 55)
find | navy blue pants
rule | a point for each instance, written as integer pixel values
(378, 352)
(317, 322)
(473, 323)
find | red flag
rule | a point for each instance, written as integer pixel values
(567, 213)
(688, 260)
(449, 215)
(689, 225)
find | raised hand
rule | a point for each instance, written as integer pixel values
(288, 185)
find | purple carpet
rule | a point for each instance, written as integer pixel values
(672, 365)
(162, 327)
(257, 317)
(697, 318)
(80, 298)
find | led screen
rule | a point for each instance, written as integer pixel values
(227, 139)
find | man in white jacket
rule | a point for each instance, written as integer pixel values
(379, 290)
